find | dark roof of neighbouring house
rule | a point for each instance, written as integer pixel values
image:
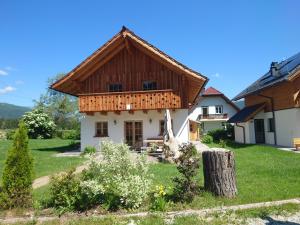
(246, 113)
(284, 70)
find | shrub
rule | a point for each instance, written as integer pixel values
(89, 150)
(223, 143)
(10, 134)
(39, 124)
(158, 199)
(68, 134)
(122, 179)
(207, 139)
(218, 134)
(65, 191)
(18, 172)
(188, 163)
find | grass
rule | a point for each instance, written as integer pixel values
(43, 151)
(264, 174)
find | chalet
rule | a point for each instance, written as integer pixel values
(123, 89)
(211, 111)
(272, 106)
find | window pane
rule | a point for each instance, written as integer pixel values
(115, 87)
(149, 85)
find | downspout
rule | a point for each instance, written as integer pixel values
(273, 115)
(244, 135)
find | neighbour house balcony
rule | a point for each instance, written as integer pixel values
(130, 101)
(223, 116)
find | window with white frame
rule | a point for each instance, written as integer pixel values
(219, 109)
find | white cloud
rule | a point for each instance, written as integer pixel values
(3, 73)
(10, 68)
(19, 82)
(216, 75)
(7, 89)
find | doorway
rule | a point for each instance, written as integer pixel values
(259, 128)
(134, 133)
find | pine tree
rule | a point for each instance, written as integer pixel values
(18, 172)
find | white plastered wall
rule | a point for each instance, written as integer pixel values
(287, 127)
(211, 102)
(116, 125)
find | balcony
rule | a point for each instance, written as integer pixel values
(130, 101)
(207, 117)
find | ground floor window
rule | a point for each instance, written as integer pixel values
(162, 127)
(271, 125)
(101, 129)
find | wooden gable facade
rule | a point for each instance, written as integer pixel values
(285, 96)
(128, 62)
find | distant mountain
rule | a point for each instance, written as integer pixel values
(9, 111)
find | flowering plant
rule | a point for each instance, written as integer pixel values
(158, 198)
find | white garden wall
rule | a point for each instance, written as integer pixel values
(116, 130)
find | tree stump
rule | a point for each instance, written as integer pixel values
(219, 172)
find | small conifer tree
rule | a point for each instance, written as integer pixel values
(18, 172)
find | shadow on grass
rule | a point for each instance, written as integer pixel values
(278, 222)
(61, 149)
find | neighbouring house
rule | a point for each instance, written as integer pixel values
(123, 89)
(271, 114)
(211, 111)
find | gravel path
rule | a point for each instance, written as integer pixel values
(169, 216)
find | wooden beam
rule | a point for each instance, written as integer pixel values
(90, 113)
(101, 62)
(127, 45)
(110, 44)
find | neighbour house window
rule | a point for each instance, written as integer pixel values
(204, 110)
(271, 124)
(101, 129)
(149, 85)
(115, 88)
(219, 109)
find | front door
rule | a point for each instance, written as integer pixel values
(134, 133)
(259, 128)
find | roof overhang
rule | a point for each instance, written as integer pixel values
(71, 82)
(246, 113)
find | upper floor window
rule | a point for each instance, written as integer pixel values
(204, 110)
(115, 88)
(101, 129)
(149, 85)
(219, 109)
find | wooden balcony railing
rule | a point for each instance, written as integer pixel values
(213, 116)
(130, 101)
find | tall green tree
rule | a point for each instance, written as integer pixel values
(18, 172)
(62, 108)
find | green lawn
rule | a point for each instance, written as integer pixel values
(43, 151)
(264, 173)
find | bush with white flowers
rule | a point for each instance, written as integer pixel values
(39, 124)
(122, 179)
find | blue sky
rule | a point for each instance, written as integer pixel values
(231, 42)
